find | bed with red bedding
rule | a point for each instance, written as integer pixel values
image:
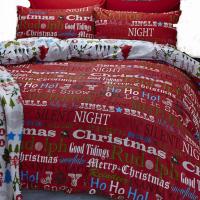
(97, 100)
(119, 118)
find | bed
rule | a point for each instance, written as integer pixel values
(110, 117)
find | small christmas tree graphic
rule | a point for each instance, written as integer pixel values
(15, 182)
(12, 104)
(17, 149)
(3, 101)
(10, 148)
(6, 156)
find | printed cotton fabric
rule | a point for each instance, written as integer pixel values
(153, 27)
(11, 127)
(60, 23)
(120, 127)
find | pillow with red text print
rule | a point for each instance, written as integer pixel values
(153, 27)
(60, 23)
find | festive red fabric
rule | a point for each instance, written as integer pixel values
(61, 23)
(64, 4)
(154, 27)
(143, 5)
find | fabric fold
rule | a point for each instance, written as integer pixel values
(52, 49)
(11, 125)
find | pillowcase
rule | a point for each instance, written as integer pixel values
(143, 5)
(60, 23)
(154, 27)
(64, 4)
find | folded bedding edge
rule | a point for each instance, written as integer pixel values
(52, 49)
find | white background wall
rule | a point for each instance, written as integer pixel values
(188, 27)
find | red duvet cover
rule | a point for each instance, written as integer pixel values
(127, 129)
